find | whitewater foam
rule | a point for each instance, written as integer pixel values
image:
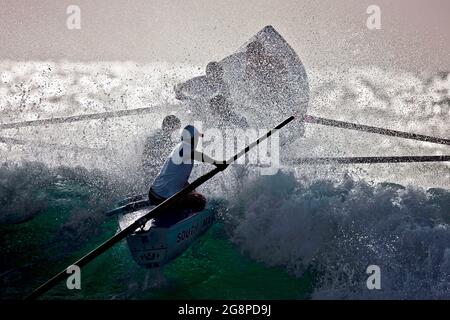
(318, 218)
(339, 227)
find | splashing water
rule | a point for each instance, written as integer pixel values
(332, 221)
(340, 228)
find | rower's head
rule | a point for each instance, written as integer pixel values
(214, 71)
(219, 104)
(191, 135)
(171, 123)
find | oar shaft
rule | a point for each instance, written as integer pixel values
(371, 129)
(8, 140)
(260, 139)
(350, 160)
(40, 144)
(84, 117)
(154, 213)
(80, 263)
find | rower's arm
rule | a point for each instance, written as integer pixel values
(200, 156)
(221, 164)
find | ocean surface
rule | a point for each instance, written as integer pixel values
(307, 232)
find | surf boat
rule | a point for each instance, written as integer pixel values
(162, 239)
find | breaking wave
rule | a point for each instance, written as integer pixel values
(31, 188)
(335, 227)
(339, 228)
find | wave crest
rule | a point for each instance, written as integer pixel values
(339, 228)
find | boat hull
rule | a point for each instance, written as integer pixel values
(164, 239)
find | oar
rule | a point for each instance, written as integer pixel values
(7, 140)
(349, 160)
(378, 130)
(156, 212)
(307, 119)
(83, 117)
(21, 142)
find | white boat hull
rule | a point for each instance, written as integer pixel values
(162, 241)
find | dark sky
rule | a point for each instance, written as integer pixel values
(415, 34)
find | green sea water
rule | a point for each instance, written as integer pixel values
(212, 268)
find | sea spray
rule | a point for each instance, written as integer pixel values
(339, 228)
(336, 227)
